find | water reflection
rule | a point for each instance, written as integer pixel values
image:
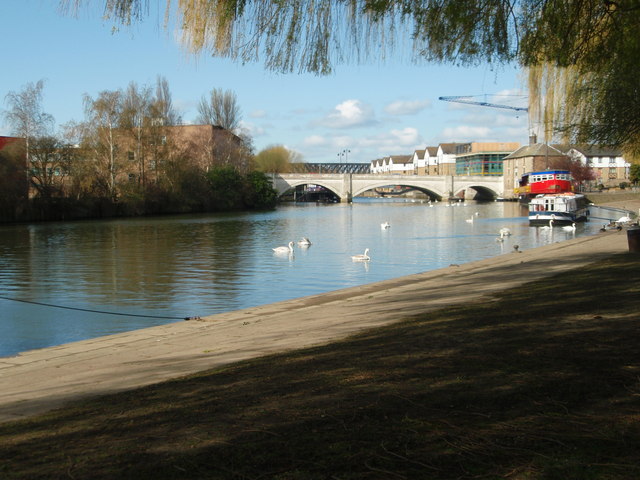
(175, 267)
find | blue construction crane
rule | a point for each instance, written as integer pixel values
(468, 99)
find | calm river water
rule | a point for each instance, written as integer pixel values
(152, 271)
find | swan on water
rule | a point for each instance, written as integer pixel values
(570, 228)
(548, 227)
(287, 249)
(504, 232)
(470, 219)
(385, 225)
(304, 242)
(363, 257)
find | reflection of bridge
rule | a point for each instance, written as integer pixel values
(346, 186)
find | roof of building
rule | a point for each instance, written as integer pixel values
(433, 151)
(535, 150)
(597, 150)
(401, 158)
(449, 148)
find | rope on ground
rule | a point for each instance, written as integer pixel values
(97, 311)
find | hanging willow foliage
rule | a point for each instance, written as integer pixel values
(580, 55)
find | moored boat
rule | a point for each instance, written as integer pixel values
(562, 208)
(542, 183)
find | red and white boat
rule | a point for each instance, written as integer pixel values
(543, 183)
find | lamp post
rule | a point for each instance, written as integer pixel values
(346, 154)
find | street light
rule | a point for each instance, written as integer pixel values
(346, 154)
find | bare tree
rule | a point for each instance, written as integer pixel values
(26, 116)
(163, 108)
(136, 116)
(102, 120)
(220, 109)
(49, 166)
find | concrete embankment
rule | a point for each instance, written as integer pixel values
(39, 380)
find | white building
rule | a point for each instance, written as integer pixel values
(393, 165)
(608, 164)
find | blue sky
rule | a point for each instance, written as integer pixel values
(374, 111)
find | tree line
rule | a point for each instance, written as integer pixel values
(128, 157)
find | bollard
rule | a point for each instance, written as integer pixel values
(633, 237)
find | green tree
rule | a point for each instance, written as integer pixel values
(226, 188)
(259, 192)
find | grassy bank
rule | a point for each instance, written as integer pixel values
(543, 382)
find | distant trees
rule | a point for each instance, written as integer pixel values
(129, 155)
(276, 159)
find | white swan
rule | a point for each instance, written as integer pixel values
(505, 232)
(470, 219)
(548, 227)
(570, 228)
(362, 257)
(385, 225)
(304, 242)
(287, 249)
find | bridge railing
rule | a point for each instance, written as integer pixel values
(330, 168)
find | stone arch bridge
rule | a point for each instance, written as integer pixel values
(348, 185)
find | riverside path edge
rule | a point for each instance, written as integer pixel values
(37, 381)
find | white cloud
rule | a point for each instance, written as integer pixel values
(258, 114)
(395, 142)
(403, 107)
(315, 141)
(465, 133)
(349, 114)
(252, 129)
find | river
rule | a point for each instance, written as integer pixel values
(63, 282)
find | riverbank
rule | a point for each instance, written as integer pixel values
(465, 371)
(458, 373)
(622, 199)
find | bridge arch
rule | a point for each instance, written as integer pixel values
(296, 183)
(482, 192)
(430, 191)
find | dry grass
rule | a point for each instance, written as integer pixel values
(542, 383)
